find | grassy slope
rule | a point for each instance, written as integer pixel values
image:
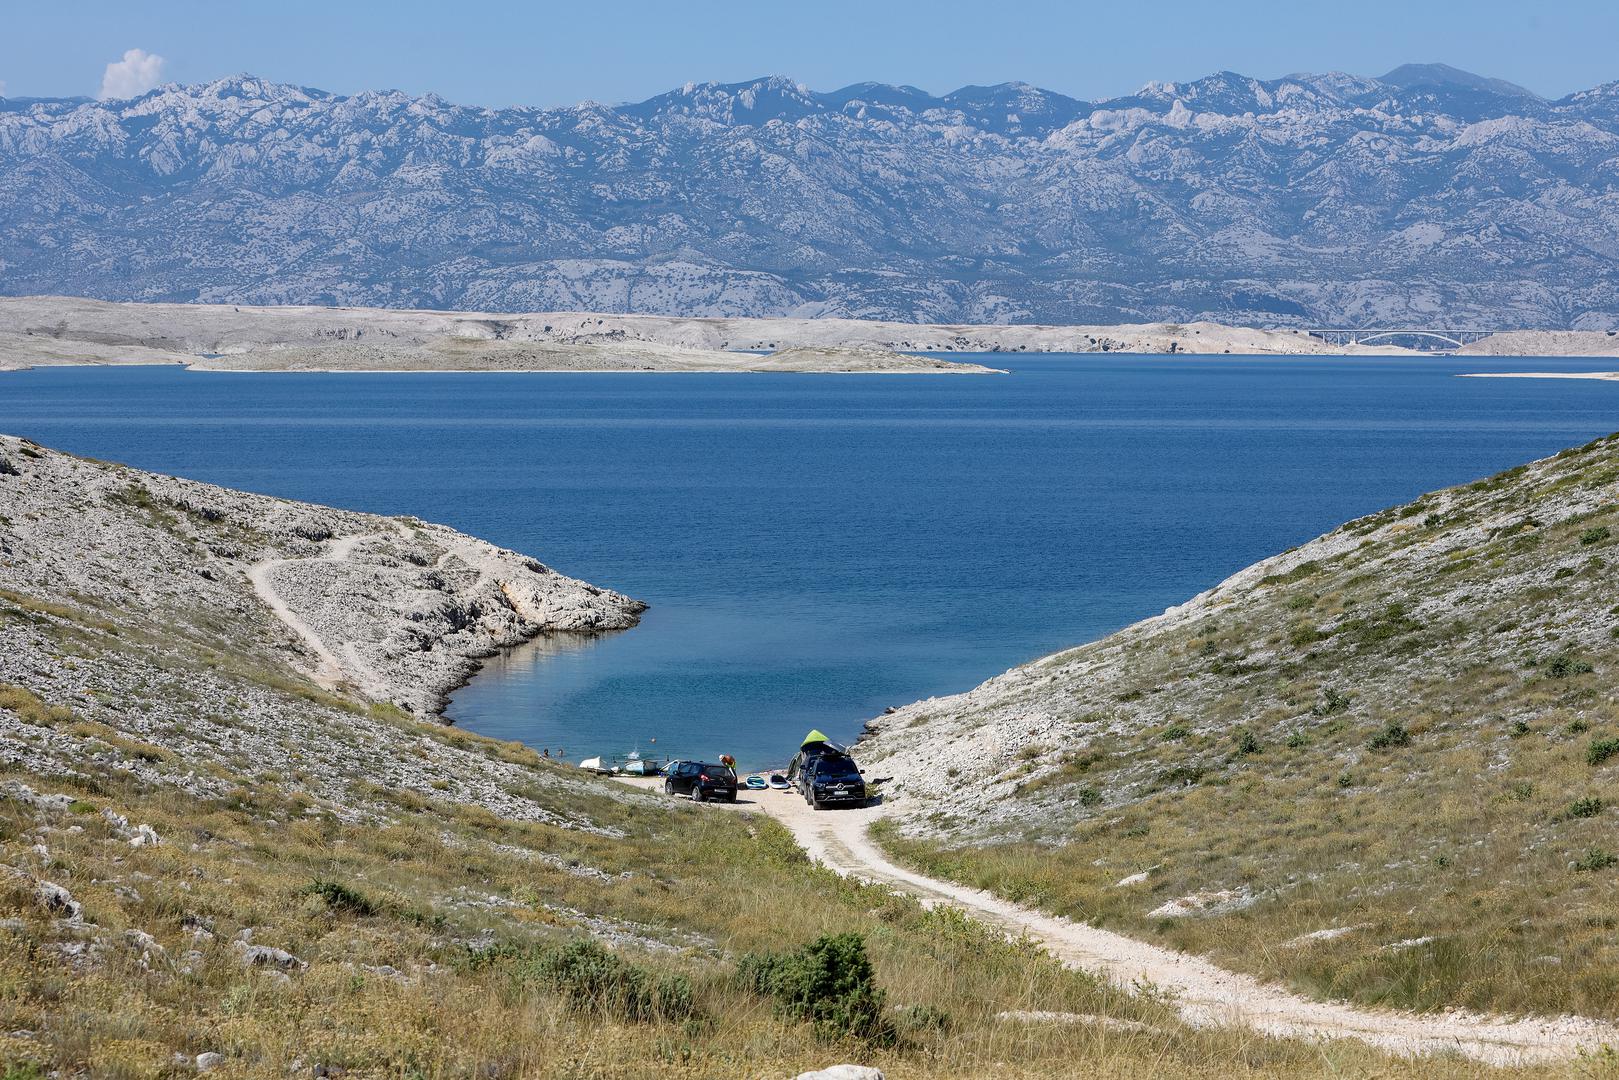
(259, 785)
(1397, 729)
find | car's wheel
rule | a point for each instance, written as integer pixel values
(697, 793)
(668, 787)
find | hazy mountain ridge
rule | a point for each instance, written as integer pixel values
(1308, 199)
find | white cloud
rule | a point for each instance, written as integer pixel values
(132, 76)
(2, 88)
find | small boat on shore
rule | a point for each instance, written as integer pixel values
(594, 764)
(756, 782)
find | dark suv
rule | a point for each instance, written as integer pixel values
(833, 780)
(700, 780)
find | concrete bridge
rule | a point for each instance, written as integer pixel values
(1421, 337)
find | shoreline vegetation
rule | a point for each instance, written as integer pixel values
(224, 848)
(49, 331)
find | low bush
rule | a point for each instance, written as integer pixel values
(1562, 666)
(828, 983)
(1584, 808)
(1247, 743)
(1391, 736)
(1601, 750)
(1182, 776)
(340, 897)
(1332, 701)
(594, 979)
(1595, 859)
(1594, 535)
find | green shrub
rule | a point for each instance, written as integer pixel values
(1174, 732)
(1182, 776)
(1297, 739)
(1562, 666)
(1376, 629)
(1519, 728)
(1332, 701)
(1391, 736)
(1595, 859)
(1308, 634)
(1584, 808)
(1247, 743)
(594, 979)
(1601, 750)
(828, 983)
(1594, 535)
(340, 897)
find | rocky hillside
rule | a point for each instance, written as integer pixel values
(1383, 765)
(1309, 199)
(222, 848)
(399, 610)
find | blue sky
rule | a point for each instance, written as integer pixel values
(543, 53)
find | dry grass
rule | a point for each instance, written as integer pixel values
(415, 894)
(1406, 767)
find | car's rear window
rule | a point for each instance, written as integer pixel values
(718, 772)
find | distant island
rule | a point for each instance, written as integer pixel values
(45, 331)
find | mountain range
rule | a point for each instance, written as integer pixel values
(1429, 196)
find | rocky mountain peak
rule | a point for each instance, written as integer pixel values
(1293, 201)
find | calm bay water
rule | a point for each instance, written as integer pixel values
(818, 547)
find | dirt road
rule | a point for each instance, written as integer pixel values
(329, 671)
(1206, 993)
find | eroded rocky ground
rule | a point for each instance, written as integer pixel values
(134, 601)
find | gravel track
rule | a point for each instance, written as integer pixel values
(1206, 993)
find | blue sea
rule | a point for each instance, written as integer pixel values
(818, 547)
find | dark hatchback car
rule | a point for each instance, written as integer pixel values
(701, 780)
(834, 781)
